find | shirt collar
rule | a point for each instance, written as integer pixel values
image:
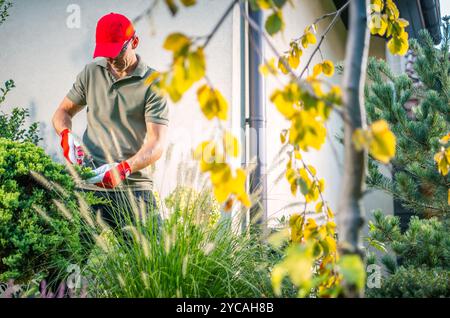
(140, 70)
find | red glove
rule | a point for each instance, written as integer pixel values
(110, 175)
(72, 149)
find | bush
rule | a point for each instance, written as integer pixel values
(35, 237)
(420, 266)
(414, 282)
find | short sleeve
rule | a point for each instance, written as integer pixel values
(77, 93)
(156, 109)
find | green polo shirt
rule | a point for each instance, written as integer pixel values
(117, 113)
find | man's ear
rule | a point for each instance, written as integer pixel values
(135, 42)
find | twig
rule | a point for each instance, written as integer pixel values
(322, 38)
(222, 19)
(255, 27)
(146, 12)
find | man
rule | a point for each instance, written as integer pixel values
(121, 111)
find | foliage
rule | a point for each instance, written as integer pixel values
(12, 126)
(417, 183)
(186, 257)
(379, 139)
(4, 7)
(311, 260)
(423, 253)
(39, 220)
(385, 21)
(193, 201)
(174, 7)
(414, 282)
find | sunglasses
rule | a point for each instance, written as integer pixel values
(124, 48)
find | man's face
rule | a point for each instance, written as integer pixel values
(126, 56)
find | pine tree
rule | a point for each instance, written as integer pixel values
(416, 183)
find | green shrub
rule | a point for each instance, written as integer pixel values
(417, 261)
(35, 237)
(414, 282)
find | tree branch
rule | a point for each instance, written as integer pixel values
(350, 219)
(322, 38)
(222, 19)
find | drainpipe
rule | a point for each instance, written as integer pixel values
(257, 125)
(243, 103)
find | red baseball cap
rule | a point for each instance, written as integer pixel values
(113, 30)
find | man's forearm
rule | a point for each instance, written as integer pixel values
(62, 120)
(150, 152)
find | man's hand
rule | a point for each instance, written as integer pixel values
(110, 175)
(72, 149)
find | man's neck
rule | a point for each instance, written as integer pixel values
(130, 69)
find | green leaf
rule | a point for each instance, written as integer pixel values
(352, 269)
(274, 23)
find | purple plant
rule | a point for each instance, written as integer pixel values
(13, 291)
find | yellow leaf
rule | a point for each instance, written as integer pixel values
(319, 207)
(197, 66)
(180, 80)
(317, 70)
(294, 56)
(268, 68)
(175, 42)
(283, 136)
(328, 68)
(264, 4)
(444, 140)
(308, 37)
(334, 96)
(238, 187)
(392, 10)
(277, 275)
(282, 62)
(378, 24)
(382, 146)
(286, 100)
(360, 139)
(221, 192)
(398, 45)
(307, 130)
(212, 103)
(330, 213)
(442, 159)
(331, 243)
(376, 5)
(312, 170)
(231, 144)
(402, 22)
(153, 77)
(188, 3)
